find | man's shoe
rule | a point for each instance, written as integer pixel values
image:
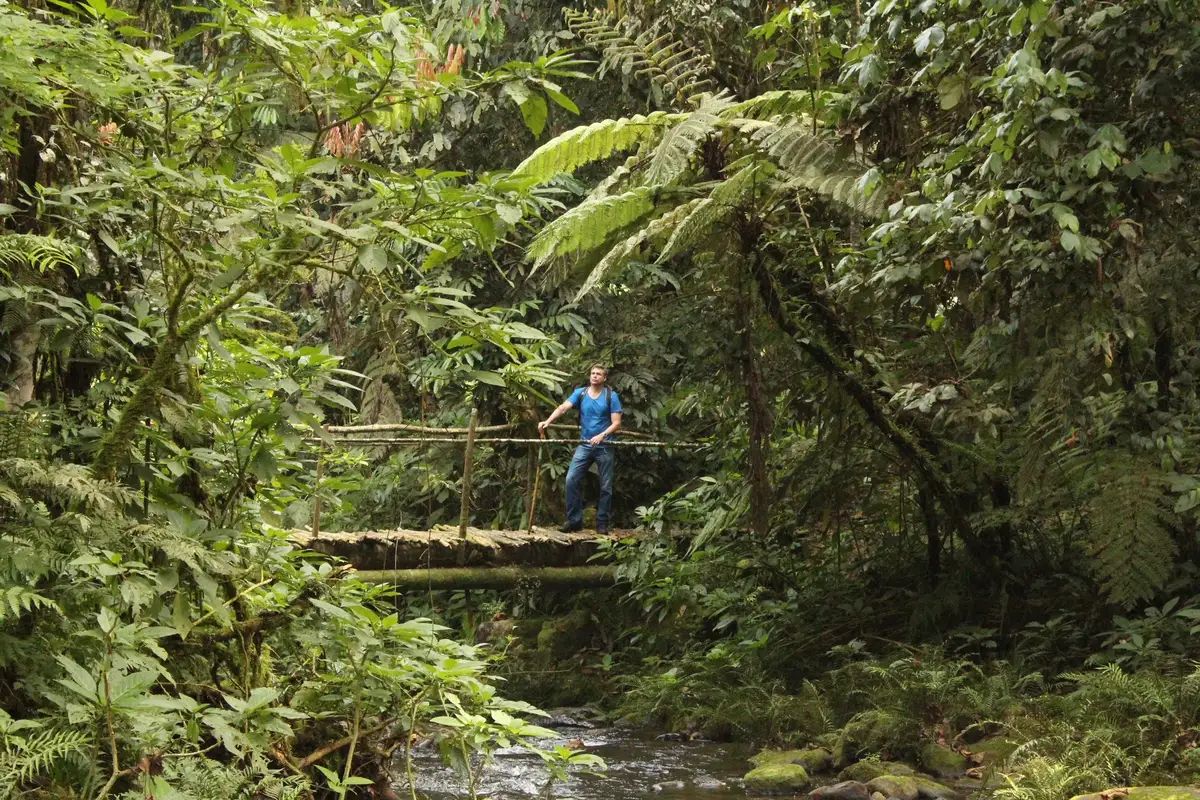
(569, 528)
(601, 530)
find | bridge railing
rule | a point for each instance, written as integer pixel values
(420, 435)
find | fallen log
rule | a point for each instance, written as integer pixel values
(491, 577)
(443, 547)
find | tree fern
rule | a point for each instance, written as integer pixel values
(569, 151)
(680, 73)
(813, 163)
(628, 247)
(719, 205)
(671, 157)
(1130, 546)
(590, 223)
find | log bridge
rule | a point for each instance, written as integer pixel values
(462, 557)
(483, 559)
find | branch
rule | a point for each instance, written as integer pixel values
(345, 741)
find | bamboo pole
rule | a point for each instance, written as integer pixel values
(316, 520)
(490, 577)
(537, 477)
(403, 441)
(468, 467)
(396, 426)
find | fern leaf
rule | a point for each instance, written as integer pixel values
(589, 224)
(42, 253)
(571, 150)
(675, 70)
(621, 251)
(670, 159)
(719, 205)
(1130, 545)
(812, 162)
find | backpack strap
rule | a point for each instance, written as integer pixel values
(608, 401)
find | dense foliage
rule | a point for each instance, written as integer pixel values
(921, 275)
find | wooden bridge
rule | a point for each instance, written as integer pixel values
(463, 557)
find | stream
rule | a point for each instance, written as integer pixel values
(639, 766)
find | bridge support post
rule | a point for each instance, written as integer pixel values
(316, 519)
(464, 512)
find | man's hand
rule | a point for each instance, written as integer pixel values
(543, 425)
(597, 439)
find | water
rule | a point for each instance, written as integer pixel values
(637, 762)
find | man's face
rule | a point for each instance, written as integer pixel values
(598, 377)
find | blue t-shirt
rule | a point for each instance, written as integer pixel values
(594, 412)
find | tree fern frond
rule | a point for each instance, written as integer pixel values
(615, 178)
(679, 72)
(588, 224)
(24, 758)
(42, 253)
(719, 205)
(812, 161)
(670, 159)
(571, 150)
(621, 251)
(1130, 546)
(772, 104)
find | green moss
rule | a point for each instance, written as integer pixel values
(903, 787)
(932, 790)
(865, 771)
(776, 779)
(942, 761)
(813, 759)
(1148, 793)
(993, 749)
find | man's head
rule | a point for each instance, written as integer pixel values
(598, 375)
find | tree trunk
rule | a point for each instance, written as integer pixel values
(22, 347)
(491, 577)
(758, 410)
(933, 534)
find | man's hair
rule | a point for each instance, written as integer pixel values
(600, 367)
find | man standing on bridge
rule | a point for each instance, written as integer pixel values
(599, 419)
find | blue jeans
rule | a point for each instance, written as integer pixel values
(585, 454)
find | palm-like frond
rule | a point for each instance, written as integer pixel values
(41, 253)
(678, 72)
(569, 151)
(589, 224)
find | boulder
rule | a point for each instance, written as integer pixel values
(932, 790)
(877, 796)
(709, 784)
(669, 786)
(846, 790)
(864, 771)
(1144, 793)
(778, 779)
(813, 759)
(942, 762)
(902, 787)
(991, 750)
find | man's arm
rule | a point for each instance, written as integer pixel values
(558, 412)
(609, 431)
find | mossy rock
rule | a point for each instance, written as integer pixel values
(902, 787)
(932, 790)
(813, 759)
(777, 779)
(942, 762)
(993, 749)
(846, 790)
(865, 771)
(1144, 793)
(565, 636)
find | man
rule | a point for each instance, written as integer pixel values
(599, 418)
